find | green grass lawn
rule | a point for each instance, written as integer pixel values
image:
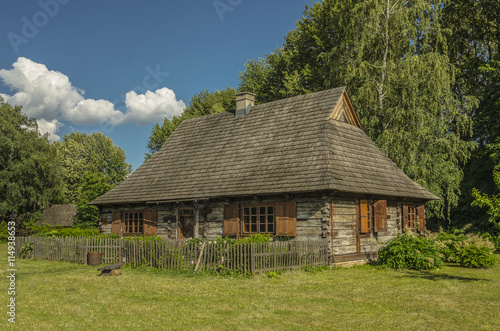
(57, 295)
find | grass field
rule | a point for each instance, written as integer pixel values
(64, 296)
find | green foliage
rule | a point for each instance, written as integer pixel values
(408, 251)
(23, 224)
(473, 47)
(469, 250)
(58, 231)
(30, 179)
(256, 238)
(26, 251)
(314, 269)
(82, 153)
(391, 56)
(448, 243)
(93, 186)
(201, 104)
(490, 202)
(472, 256)
(273, 274)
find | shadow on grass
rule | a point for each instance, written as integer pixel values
(441, 276)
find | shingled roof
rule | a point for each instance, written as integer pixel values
(300, 144)
(58, 215)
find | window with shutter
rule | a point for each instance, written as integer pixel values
(231, 221)
(270, 218)
(364, 217)
(134, 222)
(380, 216)
(409, 217)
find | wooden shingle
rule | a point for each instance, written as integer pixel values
(285, 146)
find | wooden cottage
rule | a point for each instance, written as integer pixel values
(301, 168)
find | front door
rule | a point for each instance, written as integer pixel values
(186, 223)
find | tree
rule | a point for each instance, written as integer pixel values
(473, 47)
(30, 177)
(491, 202)
(392, 57)
(93, 186)
(94, 153)
(201, 104)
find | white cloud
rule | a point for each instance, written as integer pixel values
(90, 111)
(151, 106)
(49, 127)
(50, 97)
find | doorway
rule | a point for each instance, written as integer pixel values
(186, 223)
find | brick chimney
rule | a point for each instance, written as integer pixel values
(244, 102)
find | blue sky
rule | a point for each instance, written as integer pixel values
(120, 66)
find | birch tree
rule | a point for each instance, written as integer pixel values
(392, 57)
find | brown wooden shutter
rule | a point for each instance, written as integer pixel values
(231, 225)
(405, 217)
(291, 222)
(286, 219)
(380, 216)
(150, 223)
(421, 218)
(116, 222)
(364, 217)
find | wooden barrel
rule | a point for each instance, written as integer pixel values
(94, 258)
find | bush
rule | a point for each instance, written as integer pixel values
(448, 243)
(473, 256)
(256, 238)
(471, 250)
(408, 251)
(59, 231)
(23, 224)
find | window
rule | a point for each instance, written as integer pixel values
(269, 218)
(258, 219)
(414, 217)
(134, 222)
(372, 216)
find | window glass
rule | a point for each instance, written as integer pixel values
(258, 219)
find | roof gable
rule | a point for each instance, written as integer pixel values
(344, 111)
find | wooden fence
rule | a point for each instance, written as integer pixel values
(208, 255)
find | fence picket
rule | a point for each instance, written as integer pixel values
(181, 254)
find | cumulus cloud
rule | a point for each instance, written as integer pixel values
(50, 97)
(51, 128)
(148, 107)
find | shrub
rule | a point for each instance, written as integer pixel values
(256, 238)
(408, 251)
(58, 231)
(23, 224)
(473, 256)
(471, 250)
(448, 243)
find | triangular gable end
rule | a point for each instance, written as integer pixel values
(344, 111)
